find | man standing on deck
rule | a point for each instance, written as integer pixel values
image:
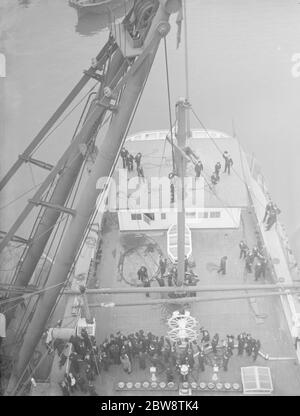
(201, 360)
(272, 218)
(162, 266)
(140, 171)
(198, 168)
(243, 249)
(217, 170)
(124, 155)
(214, 179)
(268, 209)
(222, 268)
(146, 283)
(230, 344)
(214, 343)
(142, 272)
(257, 271)
(241, 343)
(130, 160)
(137, 159)
(225, 361)
(228, 162)
(249, 344)
(144, 278)
(255, 349)
(249, 261)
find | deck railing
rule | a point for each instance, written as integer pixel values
(280, 228)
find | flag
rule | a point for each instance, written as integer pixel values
(179, 20)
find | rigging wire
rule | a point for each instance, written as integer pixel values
(20, 196)
(64, 118)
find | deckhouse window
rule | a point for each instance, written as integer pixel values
(136, 217)
(215, 214)
(203, 214)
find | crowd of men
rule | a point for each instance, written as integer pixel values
(167, 275)
(254, 260)
(228, 163)
(128, 161)
(215, 177)
(84, 365)
(140, 351)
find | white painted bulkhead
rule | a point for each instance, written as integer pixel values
(204, 218)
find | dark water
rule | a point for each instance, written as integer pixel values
(240, 57)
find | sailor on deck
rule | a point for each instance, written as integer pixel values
(129, 162)
(144, 278)
(214, 178)
(243, 249)
(268, 209)
(198, 168)
(124, 155)
(214, 343)
(222, 268)
(137, 159)
(162, 266)
(228, 162)
(217, 169)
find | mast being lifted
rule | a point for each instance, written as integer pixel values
(181, 107)
(132, 85)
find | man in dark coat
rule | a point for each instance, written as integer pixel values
(268, 209)
(222, 268)
(201, 360)
(243, 249)
(162, 266)
(198, 168)
(129, 162)
(241, 343)
(217, 170)
(137, 159)
(124, 155)
(226, 357)
(214, 343)
(228, 162)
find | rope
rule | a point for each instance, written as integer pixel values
(28, 295)
(20, 196)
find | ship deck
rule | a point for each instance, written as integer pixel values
(262, 317)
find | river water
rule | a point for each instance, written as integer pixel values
(241, 78)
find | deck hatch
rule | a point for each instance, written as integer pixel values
(256, 380)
